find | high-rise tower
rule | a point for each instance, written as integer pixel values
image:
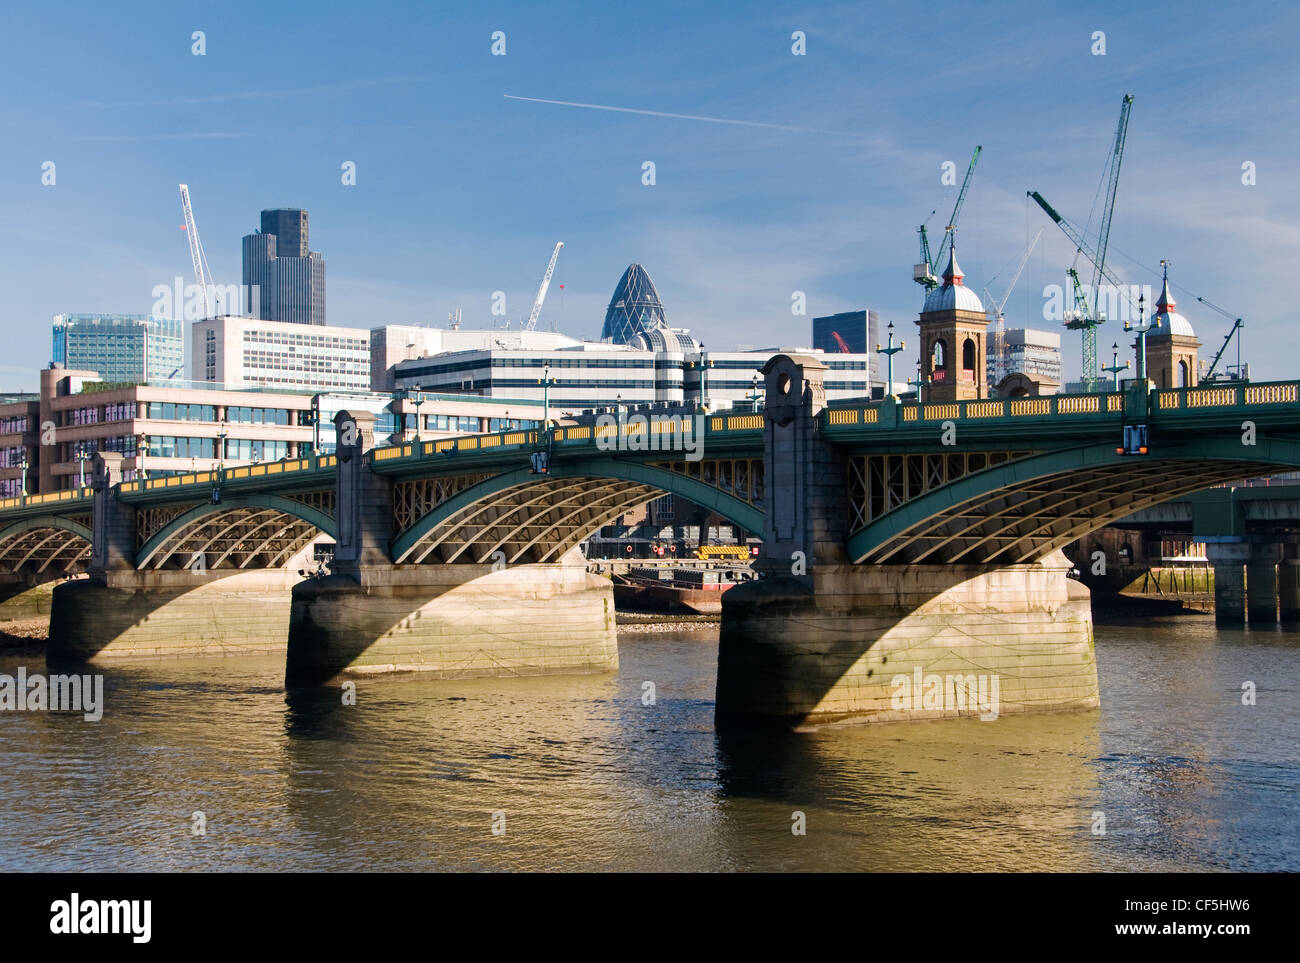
(284, 280)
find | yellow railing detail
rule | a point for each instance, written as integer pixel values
(1270, 394)
(984, 409)
(1030, 406)
(1078, 405)
(941, 411)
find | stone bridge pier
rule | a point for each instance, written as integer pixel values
(121, 611)
(818, 639)
(453, 620)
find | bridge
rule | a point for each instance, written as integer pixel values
(1251, 533)
(901, 540)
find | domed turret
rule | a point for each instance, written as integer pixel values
(953, 293)
(1171, 322)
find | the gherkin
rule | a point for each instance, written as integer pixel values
(634, 308)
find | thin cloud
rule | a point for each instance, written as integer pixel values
(710, 120)
(123, 138)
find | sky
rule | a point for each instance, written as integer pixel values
(828, 162)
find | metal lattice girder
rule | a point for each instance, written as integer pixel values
(39, 542)
(545, 515)
(238, 531)
(1023, 510)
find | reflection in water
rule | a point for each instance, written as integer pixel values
(590, 778)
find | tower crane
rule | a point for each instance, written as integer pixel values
(541, 291)
(202, 273)
(923, 273)
(1087, 317)
(1237, 325)
(1000, 345)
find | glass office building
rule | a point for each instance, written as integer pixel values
(129, 348)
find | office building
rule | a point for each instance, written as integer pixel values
(283, 279)
(127, 348)
(167, 429)
(662, 366)
(633, 308)
(253, 353)
(850, 332)
(1033, 354)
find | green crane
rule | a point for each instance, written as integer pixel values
(923, 273)
(1087, 316)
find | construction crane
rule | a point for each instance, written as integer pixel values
(541, 291)
(1087, 316)
(923, 273)
(999, 338)
(202, 273)
(843, 345)
(1237, 325)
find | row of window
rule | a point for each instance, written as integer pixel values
(13, 425)
(169, 411)
(257, 416)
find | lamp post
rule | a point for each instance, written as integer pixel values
(141, 446)
(1115, 367)
(81, 466)
(418, 397)
(889, 353)
(221, 446)
(23, 466)
(756, 396)
(546, 381)
(1142, 327)
(315, 425)
(919, 383)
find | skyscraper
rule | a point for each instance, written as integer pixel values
(284, 280)
(634, 308)
(850, 332)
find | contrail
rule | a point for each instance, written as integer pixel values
(661, 113)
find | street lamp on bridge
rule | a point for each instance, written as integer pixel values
(919, 383)
(1142, 327)
(889, 353)
(1115, 367)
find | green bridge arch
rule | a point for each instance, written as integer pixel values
(64, 532)
(194, 518)
(634, 473)
(982, 517)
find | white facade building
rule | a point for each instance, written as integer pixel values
(248, 352)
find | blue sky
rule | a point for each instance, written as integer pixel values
(461, 191)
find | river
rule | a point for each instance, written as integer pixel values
(576, 773)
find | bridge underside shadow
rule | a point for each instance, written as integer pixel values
(208, 580)
(904, 642)
(453, 621)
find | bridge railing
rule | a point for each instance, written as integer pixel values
(50, 498)
(1104, 403)
(631, 426)
(309, 463)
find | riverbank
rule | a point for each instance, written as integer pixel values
(24, 635)
(634, 623)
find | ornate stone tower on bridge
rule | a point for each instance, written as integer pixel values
(954, 332)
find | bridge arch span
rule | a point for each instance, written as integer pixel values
(46, 545)
(1023, 510)
(259, 531)
(539, 517)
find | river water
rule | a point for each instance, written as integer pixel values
(583, 776)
